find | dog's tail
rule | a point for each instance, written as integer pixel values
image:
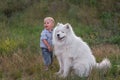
(104, 65)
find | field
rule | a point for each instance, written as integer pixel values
(21, 22)
(25, 62)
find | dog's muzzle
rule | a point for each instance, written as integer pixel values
(60, 38)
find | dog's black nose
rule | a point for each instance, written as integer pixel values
(58, 35)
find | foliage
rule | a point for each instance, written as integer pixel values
(7, 45)
(115, 39)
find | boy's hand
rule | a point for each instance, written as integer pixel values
(49, 48)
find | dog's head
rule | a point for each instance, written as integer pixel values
(62, 31)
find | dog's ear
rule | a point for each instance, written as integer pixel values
(67, 25)
(58, 24)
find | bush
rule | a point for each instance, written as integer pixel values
(115, 40)
(9, 45)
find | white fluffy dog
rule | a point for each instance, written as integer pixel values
(73, 53)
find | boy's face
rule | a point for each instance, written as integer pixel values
(48, 24)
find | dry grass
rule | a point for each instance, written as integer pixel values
(24, 65)
(105, 50)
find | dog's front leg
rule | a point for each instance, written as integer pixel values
(66, 67)
(60, 60)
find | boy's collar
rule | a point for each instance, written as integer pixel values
(49, 30)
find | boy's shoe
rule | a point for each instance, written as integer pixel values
(46, 68)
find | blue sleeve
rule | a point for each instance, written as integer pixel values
(43, 35)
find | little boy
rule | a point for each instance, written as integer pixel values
(46, 41)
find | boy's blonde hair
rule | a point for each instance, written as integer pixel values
(49, 18)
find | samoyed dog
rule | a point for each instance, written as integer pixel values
(73, 53)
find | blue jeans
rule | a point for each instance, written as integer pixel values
(47, 56)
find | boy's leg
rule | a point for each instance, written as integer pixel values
(47, 57)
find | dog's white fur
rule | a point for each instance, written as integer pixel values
(73, 53)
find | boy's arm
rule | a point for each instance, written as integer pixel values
(47, 44)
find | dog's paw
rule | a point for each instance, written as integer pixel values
(62, 76)
(58, 73)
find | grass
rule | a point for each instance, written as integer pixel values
(22, 60)
(21, 57)
(25, 65)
